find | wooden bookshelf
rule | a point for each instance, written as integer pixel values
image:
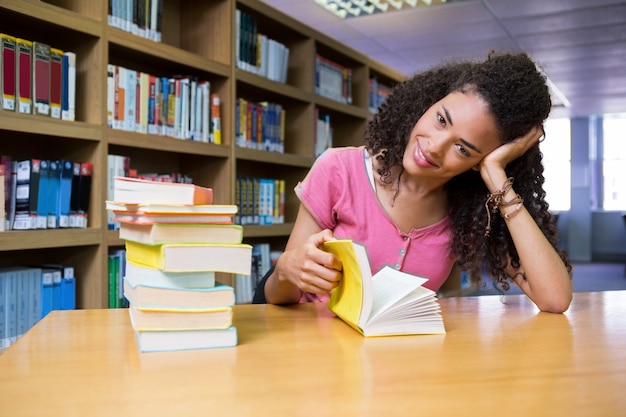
(198, 38)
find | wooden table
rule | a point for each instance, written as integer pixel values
(500, 357)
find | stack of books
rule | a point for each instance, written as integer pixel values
(176, 240)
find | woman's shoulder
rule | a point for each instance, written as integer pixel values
(347, 154)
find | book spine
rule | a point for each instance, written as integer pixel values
(68, 101)
(7, 58)
(41, 78)
(21, 219)
(56, 82)
(54, 178)
(110, 95)
(74, 195)
(24, 76)
(84, 193)
(41, 221)
(35, 181)
(65, 193)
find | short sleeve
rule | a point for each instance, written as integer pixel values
(323, 187)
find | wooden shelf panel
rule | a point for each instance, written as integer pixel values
(28, 123)
(49, 238)
(165, 143)
(271, 87)
(277, 158)
(255, 231)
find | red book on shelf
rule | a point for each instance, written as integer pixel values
(41, 78)
(7, 50)
(56, 80)
(24, 75)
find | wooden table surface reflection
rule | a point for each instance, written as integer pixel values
(500, 356)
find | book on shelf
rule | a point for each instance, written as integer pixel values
(145, 276)
(22, 196)
(389, 302)
(2, 199)
(47, 295)
(66, 175)
(150, 318)
(20, 302)
(130, 103)
(23, 75)
(64, 286)
(230, 258)
(117, 270)
(56, 82)
(216, 124)
(139, 191)
(84, 194)
(34, 194)
(54, 186)
(7, 68)
(41, 218)
(110, 95)
(74, 194)
(140, 293)
(68, 87)
(158, 233)
(158, 341)
(8, 306)
(141, 119)
(41, 78)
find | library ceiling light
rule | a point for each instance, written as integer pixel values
(346, 9)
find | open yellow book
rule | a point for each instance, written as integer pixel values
(390, 302)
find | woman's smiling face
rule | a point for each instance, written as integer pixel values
(451, 137)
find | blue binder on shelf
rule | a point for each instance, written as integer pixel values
(46, 292)
(54, 178)
(68, 289)
(64, 286)
(42, 199)
(56, 289)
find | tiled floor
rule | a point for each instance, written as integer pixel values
(587, 277)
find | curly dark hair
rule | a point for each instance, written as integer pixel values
(518, 97)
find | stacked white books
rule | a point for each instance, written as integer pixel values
(176, 241)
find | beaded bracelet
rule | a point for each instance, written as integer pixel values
(494, 202)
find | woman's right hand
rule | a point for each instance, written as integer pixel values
(310, 268)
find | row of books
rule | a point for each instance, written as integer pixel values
(377, 93)
(333, 80)
(36, 78)
(263, 258)
(259, 200)
(140, 17)
(181, 107)
(27, 294)
(323, 134)
(257, 53)
(116, 263)
(169, 282)
(259, 125)
(45, 194)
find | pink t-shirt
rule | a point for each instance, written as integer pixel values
(338, 192)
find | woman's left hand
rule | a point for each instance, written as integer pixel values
(504, 154)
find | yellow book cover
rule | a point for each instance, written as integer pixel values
(390, 302)
(231, 258)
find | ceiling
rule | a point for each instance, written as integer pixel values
(580, 44)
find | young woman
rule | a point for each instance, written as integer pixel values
(450, 172)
